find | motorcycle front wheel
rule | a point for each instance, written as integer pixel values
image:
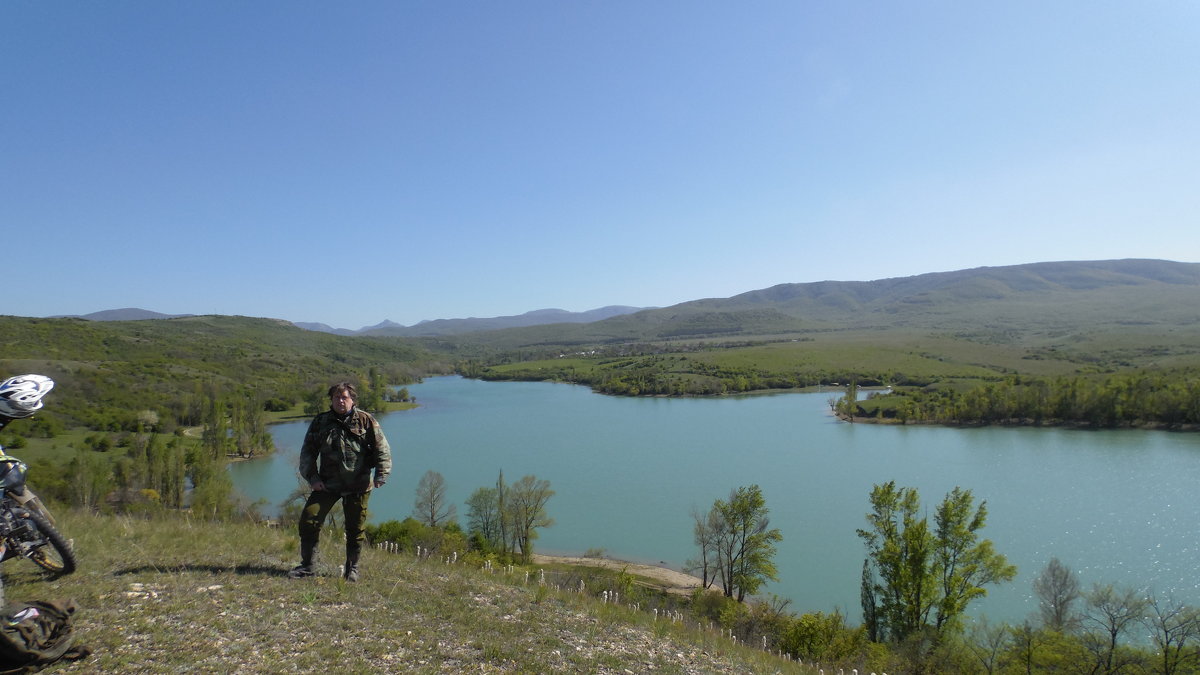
(56, 555)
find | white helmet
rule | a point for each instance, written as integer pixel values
(21, 396)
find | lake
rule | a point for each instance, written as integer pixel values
(1115, 506)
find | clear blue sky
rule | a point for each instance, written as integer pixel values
(347, 163)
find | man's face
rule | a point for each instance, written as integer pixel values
(341, 402)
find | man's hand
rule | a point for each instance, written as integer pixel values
(379, 482)
(317, 485)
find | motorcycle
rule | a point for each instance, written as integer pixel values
(26, 527)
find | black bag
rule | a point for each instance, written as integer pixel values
(35, 634)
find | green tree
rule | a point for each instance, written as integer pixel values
(91, 479)
(212, 495)
(899, 548)
(483, 517)
(924, 580)
(166, 470)
(215, 437)
(870, 605)
(502, 513)
(965, 564)
(744, 542)
(525, 504)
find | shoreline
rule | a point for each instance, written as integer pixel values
(665, 578)
(1021, 423)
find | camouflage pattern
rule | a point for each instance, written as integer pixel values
(343, 451)
(316, 508)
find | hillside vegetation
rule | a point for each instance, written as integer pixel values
(173, 594)
(109, 372)
(1121, 338)
(1103, 343)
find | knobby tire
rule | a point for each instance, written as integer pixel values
(64, 563)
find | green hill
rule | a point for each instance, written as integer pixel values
(109, 371)
(955, 329)
(1023, 298)
(172, 594)
(1108, 343)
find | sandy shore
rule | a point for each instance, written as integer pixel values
(669, 580)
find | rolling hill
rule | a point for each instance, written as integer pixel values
(1043, 319)
(1048, 294)
(1057, 296)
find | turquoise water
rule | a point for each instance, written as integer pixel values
(1116, 506)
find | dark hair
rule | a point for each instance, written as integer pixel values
(346, 387)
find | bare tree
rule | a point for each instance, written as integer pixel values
(705, 529)
(987, 642)
(431, 507)
(1174, 628)
(1057, 589)
(1108, 614)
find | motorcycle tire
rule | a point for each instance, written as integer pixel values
(57, 555)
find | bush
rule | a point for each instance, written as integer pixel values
(710, 605)
(14, 442)
(276, 405)
(411, 533)
(822, 637)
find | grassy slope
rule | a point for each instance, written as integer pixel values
(172, 595)
(930, 354)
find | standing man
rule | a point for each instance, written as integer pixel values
(342, 447)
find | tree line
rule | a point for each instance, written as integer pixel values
(145, 469)
(657, 374)
(1116, 400)
(148, 467)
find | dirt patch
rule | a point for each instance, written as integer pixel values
(667, 579)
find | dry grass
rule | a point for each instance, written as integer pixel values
(171, 595)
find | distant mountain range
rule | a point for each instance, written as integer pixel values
(1107, 292)
(433, 328)
(985, 303)
(537, 317)
(126, 314)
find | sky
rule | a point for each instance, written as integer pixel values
(350, 163)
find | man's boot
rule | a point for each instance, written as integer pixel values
(305, 569)
(351, 573)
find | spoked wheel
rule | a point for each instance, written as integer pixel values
(56, 555)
